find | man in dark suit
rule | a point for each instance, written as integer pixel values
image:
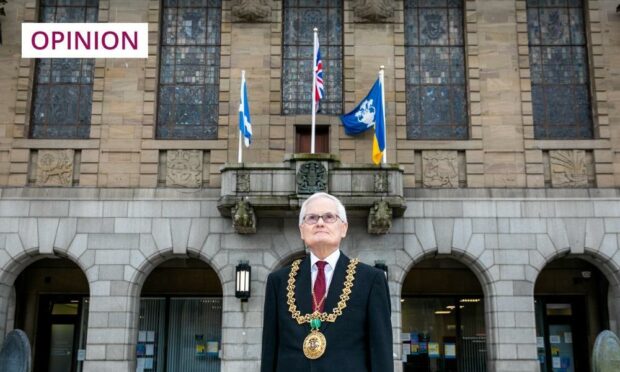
(326, 312)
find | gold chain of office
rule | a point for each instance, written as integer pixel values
(337, 311)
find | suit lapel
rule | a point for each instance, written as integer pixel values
(303, 287)
(337, 283)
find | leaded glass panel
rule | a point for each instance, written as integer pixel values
(300, 18)
(435, 70)
(62, 97)
(189, 69)
(559, 69)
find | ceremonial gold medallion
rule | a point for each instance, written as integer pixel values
(314, 345)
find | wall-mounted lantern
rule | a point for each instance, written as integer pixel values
(243, 281)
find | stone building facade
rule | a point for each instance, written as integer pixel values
(535, 221)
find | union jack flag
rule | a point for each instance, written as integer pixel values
(319, 89)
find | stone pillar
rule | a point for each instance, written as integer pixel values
(111, 326)
(242, 322)
(511, 327)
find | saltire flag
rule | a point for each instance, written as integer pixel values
(245, 125)
(369, 113)
(317, 68)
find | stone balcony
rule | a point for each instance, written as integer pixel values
(252, 190)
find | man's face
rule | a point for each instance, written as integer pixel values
(322, 235)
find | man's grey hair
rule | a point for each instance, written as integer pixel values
(342, 213)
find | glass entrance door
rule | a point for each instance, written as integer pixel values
(560, 328)
(61, 333)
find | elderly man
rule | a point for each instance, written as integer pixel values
(326, 312)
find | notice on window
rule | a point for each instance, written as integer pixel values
(556, 362)
(433, 350)
(140, 365)
(150, 336)
(142, 336)
(568, 337)
(540, 342)
(555, 339)
(405, 352)
(213, 347)
(450, 351)
(148, 363)
(405, 337)
(150, 349)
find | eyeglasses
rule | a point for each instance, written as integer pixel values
(311, 219)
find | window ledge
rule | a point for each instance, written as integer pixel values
(56, 144)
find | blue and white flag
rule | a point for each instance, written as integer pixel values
(245, 125)
(369, 114)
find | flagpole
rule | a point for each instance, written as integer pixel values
(316, 30)
(241, 134)
(381, 73)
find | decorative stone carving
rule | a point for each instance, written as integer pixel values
(380, 218)
(244, 219)
(243, 182)
(606, 353)
(568, 168)
(184, 168)
(440, 169)
(381, 182)
(15, 354)
(374, 10)
(311, 178)
(55, 168)
(251, 10)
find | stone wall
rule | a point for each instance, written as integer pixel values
(117, 237)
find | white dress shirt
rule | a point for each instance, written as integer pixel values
(329, 268)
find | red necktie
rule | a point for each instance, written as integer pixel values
(318, 302)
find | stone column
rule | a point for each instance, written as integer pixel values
(511, 327)
(111, 331)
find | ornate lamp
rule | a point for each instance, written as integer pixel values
(243, 281)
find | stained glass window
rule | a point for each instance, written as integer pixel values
(435, 70)
(63, 87)
(559, 69)
(300, 18)
(189, 69)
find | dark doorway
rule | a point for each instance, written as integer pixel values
(180, 326)
(443, 325)
(52, 308)
(60, 337)
(571, 309)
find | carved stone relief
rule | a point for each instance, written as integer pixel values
(251, 10)
(381, 182)
(184, 168)
(379, 218)
(374, 10)
(311, 178)
(55, 168)
(568, 168)
(440, 169)
(243, 218)
(243, 182)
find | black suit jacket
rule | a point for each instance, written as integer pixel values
(359, 340)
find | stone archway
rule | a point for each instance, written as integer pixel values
(443, 314)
